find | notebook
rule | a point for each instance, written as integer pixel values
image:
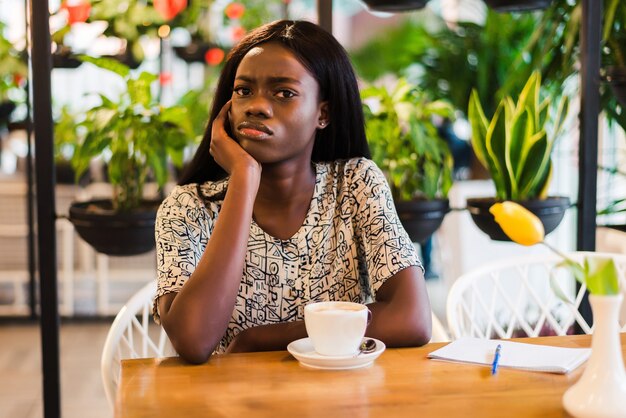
(531, 357)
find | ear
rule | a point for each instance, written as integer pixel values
(323, 119)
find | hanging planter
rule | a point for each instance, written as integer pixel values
(112, 232)
(405, 145)
(6, 108)
(124, 224)
(63, 58)
(616, 77)
(517, 5)
(194, 52)
(421, 218)
(395, 5)
(550, 211)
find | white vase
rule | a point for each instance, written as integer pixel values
(601, 390)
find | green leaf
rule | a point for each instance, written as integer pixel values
(520, 134)
(609, 18)
(559, 118)
(556, 288)
(139, 89)
(529, 97)
(576, 269)
(536, 166)
(107, 64)
(602, 277)
(496, 149)
(479, 125)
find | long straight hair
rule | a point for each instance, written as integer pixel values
(327, 61)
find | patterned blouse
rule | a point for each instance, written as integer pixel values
(351, 241)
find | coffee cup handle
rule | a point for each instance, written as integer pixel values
(369, 316)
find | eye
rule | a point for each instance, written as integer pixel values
(286, 94)
(242, 91)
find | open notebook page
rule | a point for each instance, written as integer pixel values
(532, 357)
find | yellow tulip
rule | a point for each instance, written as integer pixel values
(518, 223)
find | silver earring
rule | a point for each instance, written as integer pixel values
(322, 124)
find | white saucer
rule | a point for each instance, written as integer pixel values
(303, 351)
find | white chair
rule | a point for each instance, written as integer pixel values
(513, 298)
(439, 334)
(133, 334)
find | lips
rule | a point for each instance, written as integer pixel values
(254, 130)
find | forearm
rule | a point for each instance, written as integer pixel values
(401, 316)
(198, 316)
(272, 337)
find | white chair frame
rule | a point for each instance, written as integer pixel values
(498, 299)
(439, 334)
(133, 334)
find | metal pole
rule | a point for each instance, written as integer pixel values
(590, 38)
(325, 14)
(41, 64)
(30, 190)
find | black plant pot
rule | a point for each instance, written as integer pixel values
(6, 108)
(421, 218)
(616, 77)
(126, 57)
(395, 5)
(115, 233)
(194, 52)
(65, 59)
(550, 211)
(517, 5)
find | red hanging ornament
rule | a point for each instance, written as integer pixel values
(165, 78)
(234, 10)
(168, 9)
(237, 33)
(214, 56)
(77, 10)
(18, 79)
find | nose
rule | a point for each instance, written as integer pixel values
(259, 106)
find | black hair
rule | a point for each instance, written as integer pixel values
(322, 55)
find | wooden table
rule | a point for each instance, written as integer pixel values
(400, 383)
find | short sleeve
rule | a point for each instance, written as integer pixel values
(388, 248)
(182, 228)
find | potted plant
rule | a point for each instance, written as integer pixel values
(517, 5)
(13, 70)
(515, 147)
(136, 137)
(395, 5)
(66, 131)
(125, 20)
(415, 160)
(614, 41)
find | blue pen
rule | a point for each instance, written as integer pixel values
(496, 359)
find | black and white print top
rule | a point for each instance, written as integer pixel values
(351, 241)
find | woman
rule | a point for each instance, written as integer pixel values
(280, 207)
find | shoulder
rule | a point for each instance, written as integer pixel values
(194, 196)
(181, 196)
(352, 169)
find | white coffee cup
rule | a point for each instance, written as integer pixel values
(336, 328)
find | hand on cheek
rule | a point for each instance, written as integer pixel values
(224, 149)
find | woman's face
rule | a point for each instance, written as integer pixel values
(275, 108)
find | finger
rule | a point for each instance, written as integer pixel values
(224, 111)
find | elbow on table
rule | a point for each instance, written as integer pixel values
(190, 346)
(423, 334)
(419, 332)
(192, 352)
